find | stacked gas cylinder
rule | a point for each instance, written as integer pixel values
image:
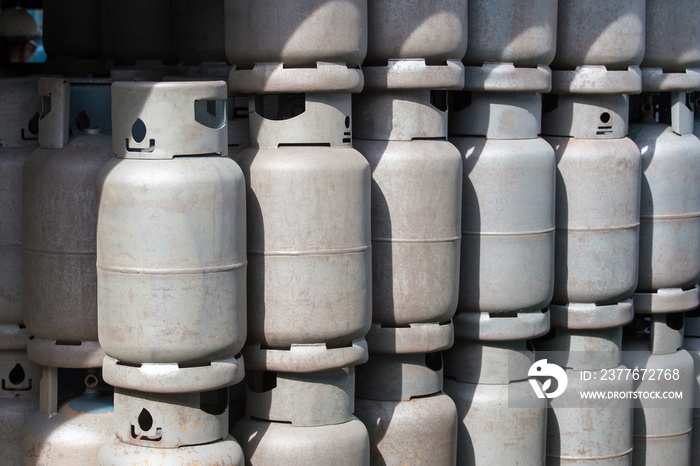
(308, 221)
(597, 222)
(20, 106)
(669, 238)
(507, 252)
(59, 278)
(400, 126)
(354, 236)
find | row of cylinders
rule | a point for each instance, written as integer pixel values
(329, 115)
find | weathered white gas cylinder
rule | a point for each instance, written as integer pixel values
(501, 420)
(171, 274)
(669, 262)
(663, 414)
(58, 226)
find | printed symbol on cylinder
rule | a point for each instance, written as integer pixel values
(15, 378)
(542, 369)
(138, 134)
(145, 421)
(32, 129)
(604, 128)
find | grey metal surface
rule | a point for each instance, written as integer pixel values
(11, 162)
(600, 32)
(15, 412)
(587, 116)
(507, 225)
(667, 300)
(488, 363)
(302, 358)
(597, 79)
(665, 47)
(198, 31)
(414, 74)
(423, 430)
(483, 379)
(597, 239)
(490, 433)
(266, 443)
(591, 316)
(596, 432)
(171, 378)
(656, 80)
(176, 119)
(661, 436)
(399, 377)
(482, 326)
(54, 121)
(297, 34)
(666, 333)
(302, 399)
(582, 349)
(504, 77)
(13, 337)
(434, 30)
(308, 222)
(59, 353)
(498, 115)
(224, 453)
(397, 116)
(512, 31)
(416, 210)
(413, 338)
(670, 208)
(20, 107)
(325, 119)
(273, 78)
(58, 251)
(171, 259)
(169, 421)
(692, 345)
(74, 435)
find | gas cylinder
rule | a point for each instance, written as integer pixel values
(409, 419)
(600, 32)
(308, 224)
(500, 420)
(416, 200)
(400, 30)
(597, 199)
(225, 453)
(298, 35)
(691, 343)
(72, 435)
(266, 442)
(21, 105)
(58, 227)
(508, 203)
(662, 427)
(171, 274)
(523, 33)
(665, 48)
(588, 429)
(669, 263)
